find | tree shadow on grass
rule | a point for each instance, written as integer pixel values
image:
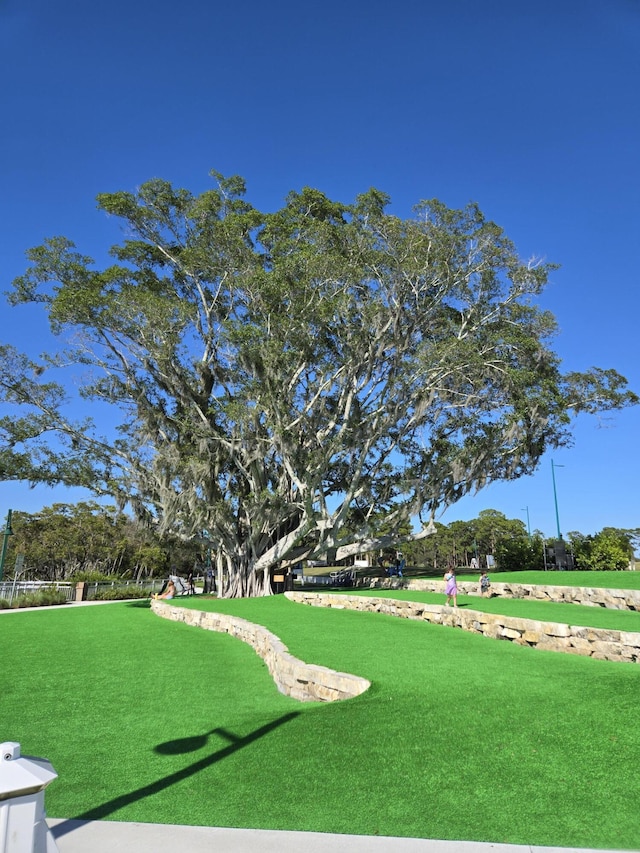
(175, 747)
(189, 744)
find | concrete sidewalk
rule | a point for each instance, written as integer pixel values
(74, 836)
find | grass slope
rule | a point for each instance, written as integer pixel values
(544, 611)
(599, 580)
(459, 737)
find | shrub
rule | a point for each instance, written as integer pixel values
(45, 598)
(115, 593)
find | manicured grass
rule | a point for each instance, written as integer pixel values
(544, 611)
(459, 737)
(600, 580)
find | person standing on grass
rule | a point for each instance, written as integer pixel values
(485, 584)
(401, 566)
(451, 587)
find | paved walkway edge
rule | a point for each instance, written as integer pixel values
(75, 836)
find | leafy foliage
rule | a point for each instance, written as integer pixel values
(120, 594)
(42, 598)
(508, 541)
(491, 533)
(281, 374)
(611, 548)
(91, 542)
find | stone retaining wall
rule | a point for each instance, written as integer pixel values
(599, 643)
(613, 599)
(293, 677)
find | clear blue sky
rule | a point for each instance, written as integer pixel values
(531, 110)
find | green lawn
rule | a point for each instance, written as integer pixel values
(459, 737)
(544, 611)
(601, 580)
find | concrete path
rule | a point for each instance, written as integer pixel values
(74, 836)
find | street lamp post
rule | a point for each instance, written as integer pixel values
(526, 509)
(555, 495)
(5, 542)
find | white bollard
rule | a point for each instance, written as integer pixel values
(23, 828)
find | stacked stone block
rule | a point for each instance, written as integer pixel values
(293, 677)
(599, 643)
(612, 599)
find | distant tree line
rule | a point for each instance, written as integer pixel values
(88, 540)
(611, 548)
(508, 542)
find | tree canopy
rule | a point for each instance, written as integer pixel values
(459, 543)
(91, 540)
(285, 378)
(610, 548)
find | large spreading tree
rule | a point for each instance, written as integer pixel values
(285, 379)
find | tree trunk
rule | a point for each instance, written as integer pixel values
(241, 579)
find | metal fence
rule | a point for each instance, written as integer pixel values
(13, 589)
(316, 580)
(94, 588)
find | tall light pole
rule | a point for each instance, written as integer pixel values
(526, 509)
(5, 542)
(555, 495)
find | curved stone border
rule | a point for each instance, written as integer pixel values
(293, 677)
(599, 643)
(612, 599)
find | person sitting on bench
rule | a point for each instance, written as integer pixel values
(168, 592)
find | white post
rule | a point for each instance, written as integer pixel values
(23, 828)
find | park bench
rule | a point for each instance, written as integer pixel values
(343, 577)
(181, 585)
